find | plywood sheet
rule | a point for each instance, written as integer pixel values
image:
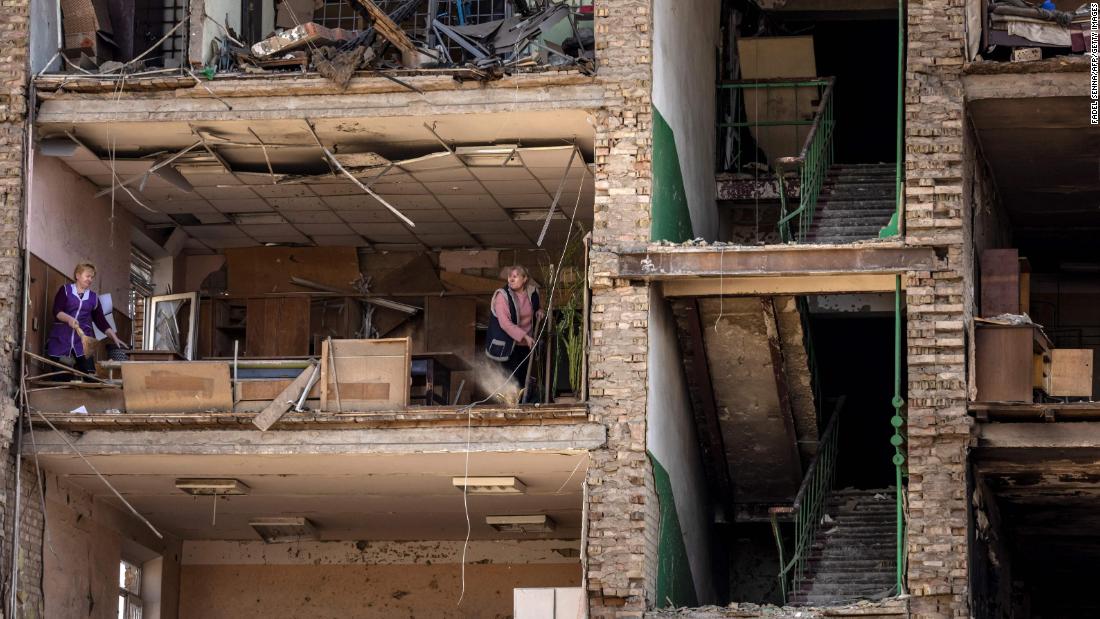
(776, 57)
(1071, 372)
(363, 375)
(176, 387)
(450, 324)
(267, 389)
(263, 270)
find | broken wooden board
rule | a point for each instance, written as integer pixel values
(284, 400)
(364, 375)
(384, 26)
(176, 386)
(255, 271)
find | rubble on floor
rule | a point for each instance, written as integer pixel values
(550, 34)
(893, 607)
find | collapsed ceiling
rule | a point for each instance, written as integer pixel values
(345, 496)
(461, 185)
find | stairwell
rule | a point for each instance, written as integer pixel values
(856, 201)
(854, 556)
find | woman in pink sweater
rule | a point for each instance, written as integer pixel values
(514, 311)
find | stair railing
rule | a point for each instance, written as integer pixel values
(808, 507)
(812, 163)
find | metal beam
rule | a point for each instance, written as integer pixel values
(667, 263)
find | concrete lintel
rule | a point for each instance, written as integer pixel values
(669, 263)
(581, 436)
(1026, 86)
(1069, 435)
(277, 106)
(785, 285)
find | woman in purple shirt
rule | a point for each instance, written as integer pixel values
(75, 309)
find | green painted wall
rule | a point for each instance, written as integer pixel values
(675, 585)
(670, 215)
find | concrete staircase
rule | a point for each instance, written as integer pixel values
(856, 201)
(854, 556)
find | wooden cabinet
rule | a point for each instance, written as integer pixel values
(1006, 364)
(277, 327)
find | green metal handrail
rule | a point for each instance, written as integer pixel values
(812, 163)
(808, 507)
(898, 439)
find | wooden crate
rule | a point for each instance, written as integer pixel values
(1071, 372)
(176, 386)
(372, 374)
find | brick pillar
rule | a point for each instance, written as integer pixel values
(13, 75)
(939, 304)
(622, 504)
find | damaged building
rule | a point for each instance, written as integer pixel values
(812, 334)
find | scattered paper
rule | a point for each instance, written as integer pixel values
(80, 410)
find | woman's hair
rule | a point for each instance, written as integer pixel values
(506, 271)
(83, 266)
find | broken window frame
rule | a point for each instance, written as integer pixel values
(186, 348)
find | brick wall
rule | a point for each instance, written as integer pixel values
(939, 304)
(622, 503)
(13, 76)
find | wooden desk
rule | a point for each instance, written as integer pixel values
(1006, 360)
(433, 369)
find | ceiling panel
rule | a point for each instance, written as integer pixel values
(209, 179)
(229, 243)
(183, 206)
(310, 217)
(238, 192)
(453, 188)
(444, 175)
(447, 240)
(324, 229)
(350, 240)
(378, 230)
(498, 173)
(214, 232)
(276, 234)
(367, 215)
(241, 206)
(497, 226)
(515, 186)
(298, 204)
(282, 191)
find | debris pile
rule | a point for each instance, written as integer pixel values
(381, 35)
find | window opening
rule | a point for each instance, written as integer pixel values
(129, 591)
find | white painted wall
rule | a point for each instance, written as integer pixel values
(685, 47)
(67, 225)
(228, 13)
(671, 438)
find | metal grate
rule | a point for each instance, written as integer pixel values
(461, 12)
(153, 19)
(338, 14)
